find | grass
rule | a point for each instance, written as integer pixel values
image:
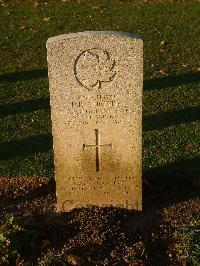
(171, 79)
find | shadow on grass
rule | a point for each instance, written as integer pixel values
(24, 75)
(24, 107)
(172, 183)
(171, 81)
(26, 146)
(170, 118)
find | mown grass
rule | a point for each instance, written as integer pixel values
(171, 80)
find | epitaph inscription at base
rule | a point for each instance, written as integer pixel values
(95, 81)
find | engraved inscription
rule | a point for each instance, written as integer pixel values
(94, 67)
(99, 109)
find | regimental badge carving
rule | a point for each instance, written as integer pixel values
(94, 67)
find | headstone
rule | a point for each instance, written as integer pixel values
(95, 83)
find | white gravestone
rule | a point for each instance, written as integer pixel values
(96, 81)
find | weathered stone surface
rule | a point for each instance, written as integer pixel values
(95, 83)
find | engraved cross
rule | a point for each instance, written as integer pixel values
(97, 145)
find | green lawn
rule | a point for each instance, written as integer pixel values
(171, 101)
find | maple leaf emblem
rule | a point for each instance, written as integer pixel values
(94, 66)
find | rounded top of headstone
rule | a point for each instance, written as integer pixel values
(93, 33)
